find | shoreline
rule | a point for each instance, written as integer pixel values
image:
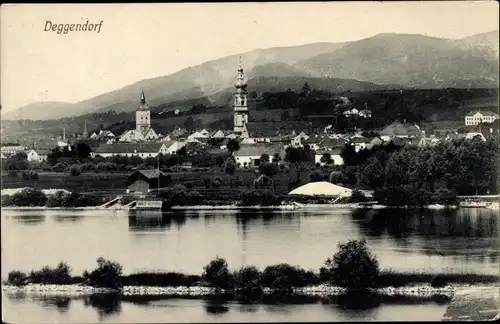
(234, 207)
(312, 290)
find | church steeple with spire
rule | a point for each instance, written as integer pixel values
(240, 104)
(143, 115)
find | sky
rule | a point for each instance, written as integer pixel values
(141, 41)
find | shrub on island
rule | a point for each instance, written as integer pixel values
(353, 266)
(216, 274)
(60, 275)
(247, 281)
(108, 274)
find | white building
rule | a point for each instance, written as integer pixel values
(480, 117)
(300, 139)
(12, 149)
(142, 150)
(334, 156)
(35, 155)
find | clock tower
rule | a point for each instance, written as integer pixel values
(240, 104)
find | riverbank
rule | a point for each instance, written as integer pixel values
(294, 206)
(312, 290)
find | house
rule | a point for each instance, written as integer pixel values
(173, 146)
(472, 135)
(328, 143)
(12, 149)
(428, 141)
(39, 155)
(201, 134)
(2, 156)
(178, 133)
(218, 134)
(144, 181)
(138, 135)
(265, 132)
(398, 129)
(352, 112)
(143, 150)
(319, 157)
(365, 113)
(250, 154)
(360, 142)
(300, 139)
(314, 141)
(480, 117)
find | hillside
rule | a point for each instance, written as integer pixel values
(410, 60)
(204, 79)
(40, 110)
(399, 59)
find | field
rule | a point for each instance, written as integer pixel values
(114, 183)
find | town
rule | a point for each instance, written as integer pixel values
(258, 155)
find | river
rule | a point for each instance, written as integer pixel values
(464, 240)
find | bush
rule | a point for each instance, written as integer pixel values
(29, 175)
(58, 167)
(247, 280)
(336, 177)
(56, 276)
(353, 266)
(438, 281)
(283, 277)
(28, 197)
(217, 275)
(173, 279)
(357, 196)
(229, 166)
(217, 182)
(107, 274)
(268, 169)
(17, 278)
(316, 176)
(75, 170)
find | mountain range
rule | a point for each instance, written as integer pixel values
(378, 62)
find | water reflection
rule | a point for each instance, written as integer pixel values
(68, 218)
(105, 304)
(62, 303)
(28, 219)
(216, 305)
(150, 221)
(445, 223)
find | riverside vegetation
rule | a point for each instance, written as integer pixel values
(353, 267)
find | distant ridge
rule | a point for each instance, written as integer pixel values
(386, 60)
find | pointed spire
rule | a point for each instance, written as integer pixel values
(143, 97)
(240, 68)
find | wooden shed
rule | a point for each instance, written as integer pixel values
(144, 181)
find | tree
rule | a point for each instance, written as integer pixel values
(253, 95)
(233, 145)
(82, 151)
(336, 177)
(16, 162)
(217, 274)
(276, 158)
(315, 176)
(306, 89)
(247, 280)
(285, 115)
(268, 169)
(353, 266)
(326, 158)
(349, 155)
(107, 274)
(230, 166)
(264, 158)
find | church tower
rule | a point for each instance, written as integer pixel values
(143, 116)
(240, 103)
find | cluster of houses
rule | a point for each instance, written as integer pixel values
(255, 138)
